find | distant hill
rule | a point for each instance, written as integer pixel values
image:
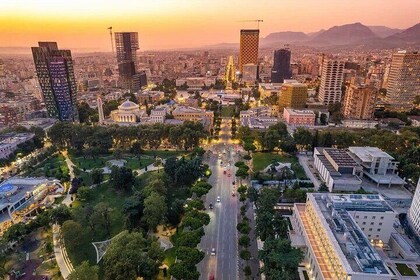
(383, 31)
(409, 36)
(286, 37)
(344, 35)
(314, 34)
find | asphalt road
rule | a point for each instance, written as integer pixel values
(221, 232)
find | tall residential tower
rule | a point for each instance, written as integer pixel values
(55, 73)
(403, 80)
(359, 100)
(281, 66)
(331, 81)
(248, 49)
(126, 45)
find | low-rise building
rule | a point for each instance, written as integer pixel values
(149, 97)
(9, 142)
(158, 115)
(360, 123)
(196, 83)
(258, 122)
(336, 233)
(294, 117)
(185, 113)
(128, 112)
(338, 169)
(378, 165)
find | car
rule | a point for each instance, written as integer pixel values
(218, 199)
(221, 163)
(213, 252)
(233, 193)
(211, 206)
(233, 183)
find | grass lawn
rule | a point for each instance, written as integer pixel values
(262, 160)
(170, 256)
(404, 270)
(227, 111)
(50, 167)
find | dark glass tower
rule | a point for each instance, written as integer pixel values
(281, 67)
(127, 44)
(55, 73)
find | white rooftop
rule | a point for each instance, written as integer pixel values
(366, 154)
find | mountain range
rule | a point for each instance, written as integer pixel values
(348, 34)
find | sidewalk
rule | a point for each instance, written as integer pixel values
(60, 253)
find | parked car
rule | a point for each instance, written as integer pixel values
(218, 199)
(213, 252)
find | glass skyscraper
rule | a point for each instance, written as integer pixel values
(281, 66)
(55, 73)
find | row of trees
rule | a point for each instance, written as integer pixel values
(93, 140)
(275, 137)
(280, 259)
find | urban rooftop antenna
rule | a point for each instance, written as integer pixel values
(112, 43)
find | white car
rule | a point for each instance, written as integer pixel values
(218, 199)
(213, 252)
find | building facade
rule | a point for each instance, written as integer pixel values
(293, 95)
(403, 80)
(332, 75)
(294, 117)
(413, 215)
(55, 73)
(184, 113)
(281, 66)
(248, 47)
(336, 244)
(359, 101)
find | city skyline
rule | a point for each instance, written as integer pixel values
(169, 24)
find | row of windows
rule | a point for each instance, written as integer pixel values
(373, 217)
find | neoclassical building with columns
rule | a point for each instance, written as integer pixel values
(128, 112)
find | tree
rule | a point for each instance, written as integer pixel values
(60, 214)
(73, 234)
(190, 238)
(303, 138)
(245, 254)
(15, 232)
(133, 210)
(244, 241)
(85, 272)
(249, 147)
(121, 178)
(84, 193)
(102, 216)
(154, 210)
(97, 175)
(279, 257)
(184, 271)
(189, 255)
(130, 255)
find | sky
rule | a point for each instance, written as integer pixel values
(168, 24)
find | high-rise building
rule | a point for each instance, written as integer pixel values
(331, 81)
(413, 214)
(403, 80)
(230, 75)
(293, 95)
(126, 44)
(55, 73)
(248, 49)
(281, 66)
(250, 73)
(359, 101)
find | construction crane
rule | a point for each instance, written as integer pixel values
(253, 20)
(112, 43)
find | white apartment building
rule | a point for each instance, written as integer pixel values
(413, 214)
(10, 142)
(334, 232)
(331, 81)
(158, 115)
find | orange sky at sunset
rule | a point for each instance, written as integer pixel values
(164, 24)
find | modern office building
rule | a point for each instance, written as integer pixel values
(281, 66)
(230, 72)
(332, 75)
(126, 45)
(336, 233)
(413, 214)
(55, 73)
(338, 169)
(293, 95)
(359, 101)
(248, 49)
(378, 166)
(403, 80)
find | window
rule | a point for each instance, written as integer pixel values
(364, 223)
(378, 229)
(371, 223)
(370, 229)
(380, 224)
(365, 217)
(357, 217)
(373, 217)
(382, 217)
